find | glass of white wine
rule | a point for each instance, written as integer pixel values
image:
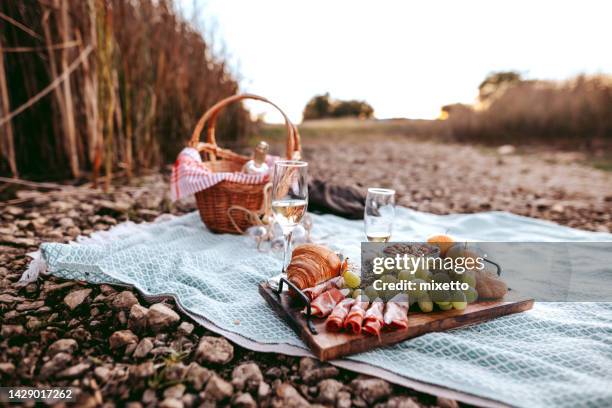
(379, 214)
(289, 198)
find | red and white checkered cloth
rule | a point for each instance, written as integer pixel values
(190, 174)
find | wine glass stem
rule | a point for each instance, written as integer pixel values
(287, 249)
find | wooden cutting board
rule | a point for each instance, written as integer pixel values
(328, 345)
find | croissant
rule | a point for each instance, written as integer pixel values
(312, 264)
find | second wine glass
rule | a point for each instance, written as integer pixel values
(289, 198)
(379, 214)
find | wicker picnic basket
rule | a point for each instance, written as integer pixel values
(217, 202)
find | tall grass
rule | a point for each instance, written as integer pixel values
(576, 113)
(129, 104)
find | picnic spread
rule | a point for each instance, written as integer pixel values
(555, 354)
(477, 341)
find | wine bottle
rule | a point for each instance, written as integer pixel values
(257, 165)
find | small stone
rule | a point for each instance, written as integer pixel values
(313, 371)
(143, 348)
(11, 330)
(124, 300)
(171, 403)
(189, 400)
(371, 390)
(107, 289)
(149, 396)
(216, 350)
(129, 349)
(66, 222)
(76, 297)
(57, 363)
(263, 391)
(175, 372)
(542, 204)
(343, 400)
(288, 396)
(197, 375)
(274, 372)
(17, 241)
(328, 390)
(7, 369)
(122, 338)
(102, 373)
(246, 376)
(163, 351)
(218, 389)
(506, 150)
(7, 298)
(63, 346)
(446, 403)
(185, 328)
(176, 391)
(143, 370)
(12, 210)
(10, 315)
(74, 371)
(133, 404)
(402, 402)
(161, 317)
(137, 320)
(118, 207)
(33, 324)
(23, 307)
(244, 400)
(50, 287)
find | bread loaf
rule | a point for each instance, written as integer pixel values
(312, 264)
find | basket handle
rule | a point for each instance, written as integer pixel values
(210, 117)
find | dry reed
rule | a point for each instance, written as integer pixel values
(129, 104)
(573, 113)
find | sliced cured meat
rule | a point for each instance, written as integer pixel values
(335, 320)
(314, 292)
(325, 302)
(396, 312)
(354, 319)
(373, 320)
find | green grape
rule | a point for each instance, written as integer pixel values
(440, 295)
(351, 279)
(371, 292)
(425, 303)
(469, 277)
(441, 277)
(423, 274)
(445, 305)
(388, 279)
(416, 292)
(459, 301)
(388, 294)
(405, 275)
(471, 295)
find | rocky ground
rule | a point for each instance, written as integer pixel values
(112, 345)
(449, 178)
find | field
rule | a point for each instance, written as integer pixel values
(349, 129)
(432, 173)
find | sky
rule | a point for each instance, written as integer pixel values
(405, 58)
